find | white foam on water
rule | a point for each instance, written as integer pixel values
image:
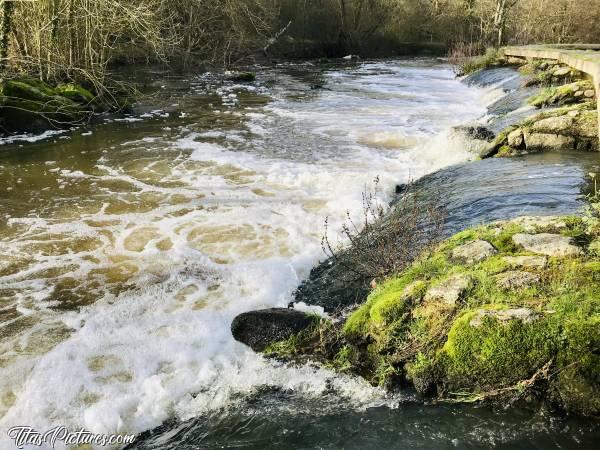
(30, 137)
(244, 231)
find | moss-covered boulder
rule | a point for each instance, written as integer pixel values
(259, 329)
(28, 104)
(523, 322)
(75, 93)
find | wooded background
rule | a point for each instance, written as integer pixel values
(74, 39)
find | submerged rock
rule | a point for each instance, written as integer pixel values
(333, 286)
(547, 244)
(259, 329)
(477, 132)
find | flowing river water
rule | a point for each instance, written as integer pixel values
(127, 248)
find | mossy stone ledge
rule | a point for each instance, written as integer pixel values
(568, 128)
(523, 323)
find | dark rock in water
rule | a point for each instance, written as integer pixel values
(477, 132)
(333, 286)
(244, 77)
(259, 329)
(400, 188)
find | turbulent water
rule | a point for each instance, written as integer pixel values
(127, 248)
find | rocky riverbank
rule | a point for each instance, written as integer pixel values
(506, 312)
(565, 129)
(568, 119)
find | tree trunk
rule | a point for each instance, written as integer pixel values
(5, 30)
(55, 18)
(72, 35)
(499, 20)
(502, 7)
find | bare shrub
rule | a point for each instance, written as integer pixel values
(386, 242)
(460, 52)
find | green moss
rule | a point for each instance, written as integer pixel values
(585, 120)
(422, 372)
(577, 385)
(75, 93)
(560, 94)
(386, 308)
(393, 300)
(384, 372)
(297, 343)
(506, 150)
(389, 302)
(575, 223)
(542, 98)
(500, 236)
(545, 77)
(31, 105)
(495, 353)
(38, 84)
(502, 137)
(460, 238)
(527, 69)
(288, 347)
(22, 90)
(344, 360)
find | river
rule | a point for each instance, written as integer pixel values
(127, 247)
